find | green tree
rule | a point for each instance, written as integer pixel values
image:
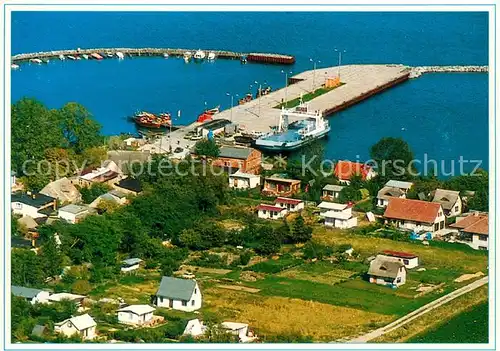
(92, 192)
(26, 268)
(191, 238)
(313, 249)
(348, 194)
(81, 287)
(300, 232)
(51, 257)
(207, 147)
(393, 158)
(269, 241)
(80, 130)
(479, 201)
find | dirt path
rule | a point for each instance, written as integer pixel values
(419, 312)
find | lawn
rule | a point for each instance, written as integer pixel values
(470, 326)
(307, 97)
(321, 272)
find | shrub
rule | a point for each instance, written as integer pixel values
(245, 257)
(81, 287)
(365, 206)
(317, 250)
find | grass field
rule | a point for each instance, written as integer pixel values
(470, 326)
(307, 97)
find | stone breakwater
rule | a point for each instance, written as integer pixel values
(418, 71)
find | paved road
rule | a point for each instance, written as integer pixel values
(420, 311)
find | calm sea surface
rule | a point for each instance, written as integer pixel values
(442, 115)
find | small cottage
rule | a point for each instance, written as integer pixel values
(331, 192)
(291, 205)
(240, 180)
(63, 190)
(387, 272)
(109, 174)
(35, 205)
(31, 295)
(450, 201)
(83, 326)
(77, 299)
(408, 259)
(276, 185)
(74, 213)
(113, 196)
(136, 314)
(326, 206)
(473, 230)
(387, 193)
(415, 215)
(195, 328)
(178, 294)
(130, 264)
(343, 219)
(265, 211)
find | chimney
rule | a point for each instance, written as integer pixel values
(33, 196)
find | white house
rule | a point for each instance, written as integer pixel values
(195, 328)
(387, 272)
(331, 191)
(340, 219)
(77, 299)
(388, 192)
(240, 180)
(415, 215)
(238, 329)
(63, 190)
(130, 264)
(326, 206)
(136, 314)
(408, 259)
(270, 212)
(291, 205)
(450, 201)
(401, 185)
(33, 205)
(473, 230)
(83, 325)
(74, 213)
(31, 295)
(179, 294)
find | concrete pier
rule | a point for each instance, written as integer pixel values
(418, 71)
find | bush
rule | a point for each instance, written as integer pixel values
(245, 257)
(316, 250)
(365, 206)
(210, 260)
(81, 287)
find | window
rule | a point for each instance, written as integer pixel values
(195, 290)
(483, 248)
(184, 303)
(192, 302)
(18, 205)
(406, 262)
(398, 280)
(456, 208)
(161, 299)
(483, 237)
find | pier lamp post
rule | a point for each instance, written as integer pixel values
(232, 103)
(259, 94)
(286, 86)
(340, 60)
(314, 62)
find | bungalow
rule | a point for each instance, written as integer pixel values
(291, 205)
(238, 329)
(339, 218)
(450, 201)
(74, 213)
(130, 264)
(345, 170)
(408, 259)
(473, 230)
(129, 186)
(179, 294)
(403, 186)
(326, 206)
(195, 328)
(331, 192)
(388, 192)
(244, 159)
(270, 212)
(33, 205)
(415, 215)
(276, 185)
(58, 297)
(63, 190)
(387, 272)
(240, 180)
(83, 326)
(136, 314)
(110, 173)
(31, 295)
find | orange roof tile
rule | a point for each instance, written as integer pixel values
(467, 221)
(344, 170)
(480, 227)
(412, 210)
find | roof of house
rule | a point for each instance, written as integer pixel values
(399, 254)
(80, 322)
(74, 209)
(480, 227)
(241, 153)
(27, 293)
(61, 189)
(447, 198)
(132, 261)
(101, 174)
(137, 309)
(332, 206)
(333, 187)
(36, 200)
(475, 223)
(344, 170)
(280, 178)
(337, 215)
(38, 330)
(28, 222)
(117, 193)
(65, 296)
(399, 184)
(287, 200)
(20, 242)
(131, 184)
(233, 325)
(388, 191)
(175, 288)
(192, 324)
(265, 207)
(412, 210)
(239, 174)
(381, 267)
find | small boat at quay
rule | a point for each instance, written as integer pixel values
(248, 97)
(199, 55)
(61, 57)
(211, 56)
(37, 61)
(120, 55)
(208, 114)
(187, 56)
(14, 66)
(150, 120)
(96, 56)
(71, 57)
(85, 56)
(165, 55)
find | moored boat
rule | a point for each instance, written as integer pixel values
(61, 57)
(37, 61)
(211, 56)
(96, 56)
(199, 55)
(248, 97)
(120, 55)
(14, 66)
(85, 56)
(187, 56)
(165, 55)
(71, 57)
(208, 114)
(150, 120)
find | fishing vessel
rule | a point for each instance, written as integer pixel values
(150, 120)
(309, 125)
(37, 61)
(248, 97)
(199, 55)
(187, 56)
(208, 114)
(72, 57)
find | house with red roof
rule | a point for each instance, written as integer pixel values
(291, 205)
(345, 170)
(265, 211)
(415, 215)
(408, 259)
(473, 230)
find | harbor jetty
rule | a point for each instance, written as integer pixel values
(272, 58)
(418, 71)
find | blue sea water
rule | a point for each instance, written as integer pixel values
(442, 115)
